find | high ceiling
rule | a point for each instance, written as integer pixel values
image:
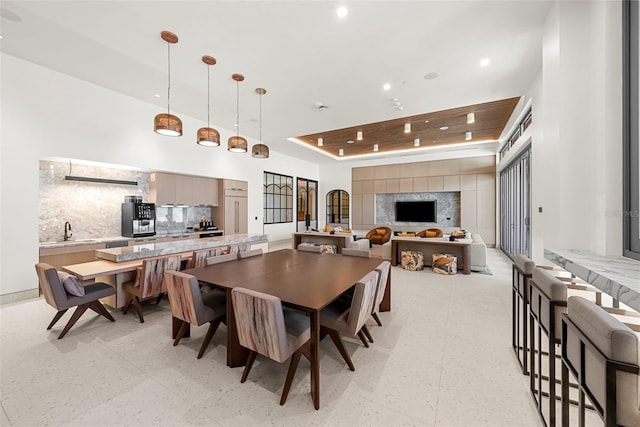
(321, 72)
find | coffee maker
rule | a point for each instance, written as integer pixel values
(138, 218)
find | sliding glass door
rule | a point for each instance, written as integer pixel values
(515, 206)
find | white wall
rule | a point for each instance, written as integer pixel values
(577, 148)
(47, 114)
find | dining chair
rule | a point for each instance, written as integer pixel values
(250, 253)
(383, 275)
(349, 320)
(199, 257)
(149, 281)
(363, 253)
(602, 353)
(265, 328)
(82, 297)
(192, 308)
(221, 258)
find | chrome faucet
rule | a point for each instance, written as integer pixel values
(67, 227)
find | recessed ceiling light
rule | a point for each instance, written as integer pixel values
(416, 142)
(386, 86)
(320, 142)
(444, 127)
(468, 136)
(471, 118)
(407, 127)
(375, 147)
(341, 152)
(431, 76)
(485, 62)
(359, 135)
(349, 142)
(1, 37)
(342, 12)
(426, 121)
(157, 95)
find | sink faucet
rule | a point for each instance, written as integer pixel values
(67, 227)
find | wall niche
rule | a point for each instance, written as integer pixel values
(448, 208)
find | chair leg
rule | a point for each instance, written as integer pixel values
(99, 308)
(363, 338)
(213, 327)
(290, 374)
(136, 302)
(159, 298)
(183, 328)
(127, 304)
(367, 333)
(74, 318)
(56, 318)
(335, 337)
(247, 367)
(376, 318)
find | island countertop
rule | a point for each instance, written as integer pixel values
(132, 253)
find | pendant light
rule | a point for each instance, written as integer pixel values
(167, 123)
(237, 144)
(208, 136)
(260, 151)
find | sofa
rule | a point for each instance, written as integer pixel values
(477, 252)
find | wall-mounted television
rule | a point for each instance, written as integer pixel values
(417, 211)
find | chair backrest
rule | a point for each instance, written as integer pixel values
(524, 264)
(364, 253)
(52, 288)
(260, 323)
(383, 274)
(221, 258)
(362, 302)
(152, 274)
(185, 298)
(199, 257)
(250, 253)
(610, 353)
(548, 301)
(384, 232)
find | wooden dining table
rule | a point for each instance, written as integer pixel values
(302, 280)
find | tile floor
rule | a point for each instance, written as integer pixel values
(442, 358)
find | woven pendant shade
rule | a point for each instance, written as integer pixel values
(208, 136)
(260, 151)
(237, 144)
(167, 124)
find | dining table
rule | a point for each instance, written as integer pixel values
(302, 280)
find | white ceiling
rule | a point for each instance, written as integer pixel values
(300, 51)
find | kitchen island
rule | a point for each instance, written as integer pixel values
(118, 265)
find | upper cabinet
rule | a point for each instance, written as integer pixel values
(233, 187)
(174, 189)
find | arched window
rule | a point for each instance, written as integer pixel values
(338, 208)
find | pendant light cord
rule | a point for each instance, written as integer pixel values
(237, 108)
(208, 97)
(260, 118)
(169, 77)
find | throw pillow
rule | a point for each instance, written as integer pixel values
(328, 228)
(381, 231)
(71, 284)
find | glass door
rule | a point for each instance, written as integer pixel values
(515, 206)
(307, 212)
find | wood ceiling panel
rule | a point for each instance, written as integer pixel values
(490, 120)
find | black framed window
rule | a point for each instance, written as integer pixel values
(278, 198)
(631, 119)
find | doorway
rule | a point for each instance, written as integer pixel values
(307, 213)
(515, 206)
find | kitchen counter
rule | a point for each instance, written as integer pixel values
(80, 242)
(131, 253)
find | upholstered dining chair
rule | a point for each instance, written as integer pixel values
(265, 328)
(602, 353)
(192, 308)
(383, 275)
(250, 253)
(363, 253)
(199, 257)
(57, 296)
(337, 319)
(149, 281)
(430, 232)
(221, 258)
(379, 235)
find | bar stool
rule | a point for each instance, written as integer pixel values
(603, 355)
(522, 271)
(548, 301)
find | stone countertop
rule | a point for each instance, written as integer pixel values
(93, 241)
(618, 277)
(130, 253)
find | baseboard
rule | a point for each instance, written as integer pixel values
(18, 296)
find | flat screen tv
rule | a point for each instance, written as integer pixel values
(417, 211)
